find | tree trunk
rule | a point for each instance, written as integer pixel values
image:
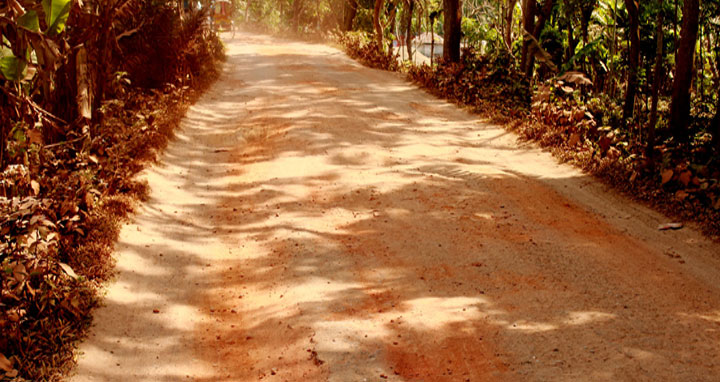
(349, 14)
(715, 127)
(587, 8)
(432, 41)
(572, 41)
(408, 27)
(633, 59)
(657, 83)
(508, 27)
(393, 24)
(453, 31)
(680, 107)
(715, 124)
(534, 28)
(376, 23)
(297, 12)
(529, 9)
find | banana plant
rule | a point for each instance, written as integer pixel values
(24, 44)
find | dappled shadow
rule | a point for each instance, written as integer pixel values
(316, 220)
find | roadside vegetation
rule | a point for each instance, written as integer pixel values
(625, 89)
(89, 91)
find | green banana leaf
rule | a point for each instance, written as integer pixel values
(12, 68)
(29, 21)
(56, 14)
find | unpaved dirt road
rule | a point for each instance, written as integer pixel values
(316, 220)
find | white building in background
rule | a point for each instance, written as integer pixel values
(423, 43)
(421, 47)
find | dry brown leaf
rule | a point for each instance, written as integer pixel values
(35, 187)
(614, 153)
(604, 144)
(66, 268)
(579, 115)
(667, 226)
(667, 175)
(89, 200)
(685, 177)
(578, 78)
(5, 363)
(13, 316)
(574, 139)
(34, 136)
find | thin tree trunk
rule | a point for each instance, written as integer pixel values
(350, 11)
(536, 28)
(393, 23)
(657, 82)
(529, 9)
(680, 106)
(675, 27)
(432, 41)
(587, 8)
(701, 64)
(452, 27)
(297, 12)
(613, 50)
(508, 26)
(633, 59)
(715, 127)
(408, 28)
(572, 41)
(715, 124)
(376, 23)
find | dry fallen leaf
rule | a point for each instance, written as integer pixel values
(574, 139)
(66, 268)
(666, 176)
(5, 363)
(35, 187)
(681, 195)
(685, 177)
(667, 226)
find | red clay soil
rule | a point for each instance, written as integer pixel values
(316, 220)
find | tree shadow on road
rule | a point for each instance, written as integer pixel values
(341, 225)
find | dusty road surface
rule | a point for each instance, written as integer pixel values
(316, 220)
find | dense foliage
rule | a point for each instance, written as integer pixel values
(87, 91)
(477, 80)
(365, 49)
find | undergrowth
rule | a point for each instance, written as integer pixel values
(362, 47)
(62, 204)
